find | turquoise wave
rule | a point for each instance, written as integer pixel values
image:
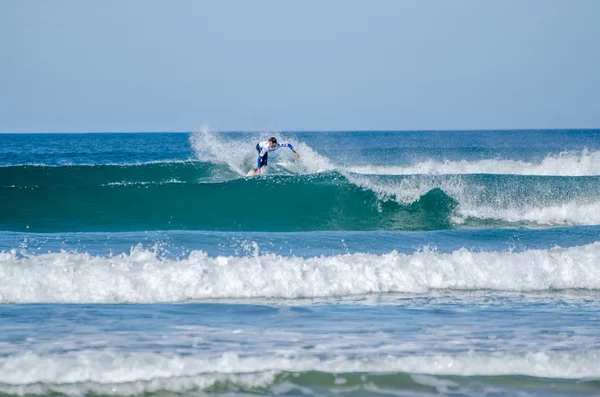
(208, 196)
(189, 196)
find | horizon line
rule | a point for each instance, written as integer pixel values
(301, 131)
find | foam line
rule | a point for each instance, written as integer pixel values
(141, 277)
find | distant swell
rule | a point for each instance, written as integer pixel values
(43, 176)
(141, 277)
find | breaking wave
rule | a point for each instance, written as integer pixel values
(142, 277)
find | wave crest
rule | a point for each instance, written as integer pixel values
(584, 163)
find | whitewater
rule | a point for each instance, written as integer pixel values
(140, 277)
(379, 263)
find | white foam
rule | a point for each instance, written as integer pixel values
(114, 372)
(553, 215)
(142, 277)
(584, 163)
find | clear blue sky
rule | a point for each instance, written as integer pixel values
(143, 65)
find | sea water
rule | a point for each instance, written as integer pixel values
(379, 263)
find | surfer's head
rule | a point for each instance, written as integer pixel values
(272, 142)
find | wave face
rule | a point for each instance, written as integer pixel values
(284, 203)
(141, 277)
(209, 196)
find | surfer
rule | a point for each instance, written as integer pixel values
(263, 149)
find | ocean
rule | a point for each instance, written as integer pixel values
(410, 263)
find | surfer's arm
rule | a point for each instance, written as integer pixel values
(288, 145)
(291, 148)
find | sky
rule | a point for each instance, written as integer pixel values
(263, 65)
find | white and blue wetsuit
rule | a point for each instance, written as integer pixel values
(263, 150)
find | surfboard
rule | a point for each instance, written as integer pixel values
(251, 173)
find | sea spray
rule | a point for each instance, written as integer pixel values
(238, 152)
